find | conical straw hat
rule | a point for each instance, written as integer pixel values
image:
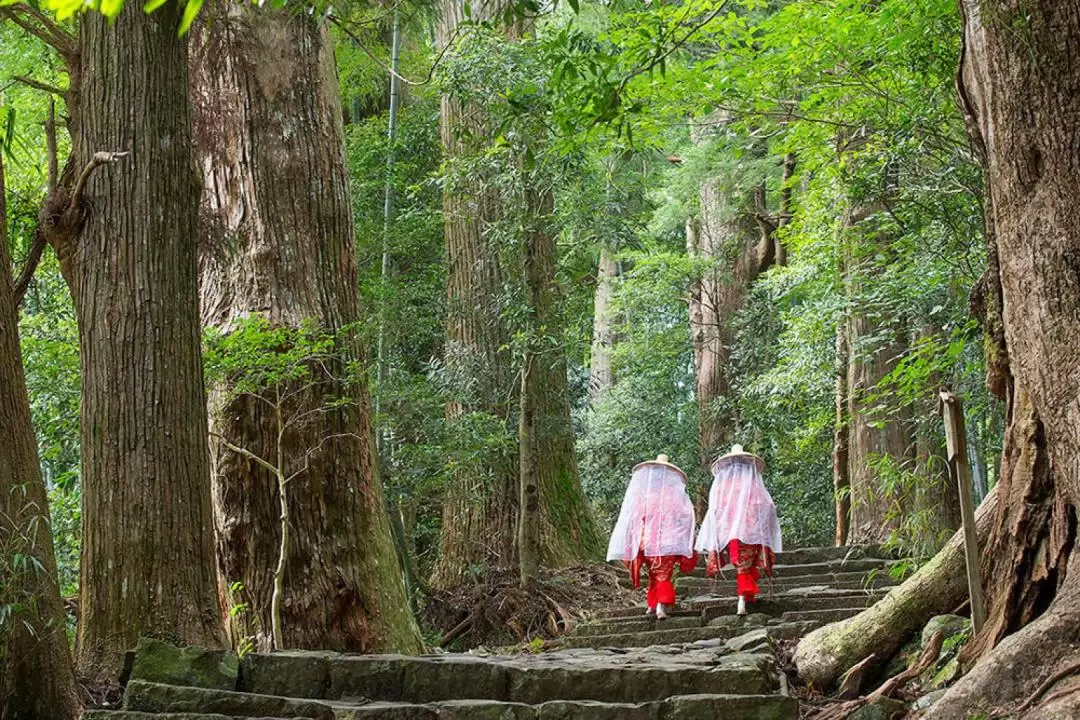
(662, 459)
(738, 452)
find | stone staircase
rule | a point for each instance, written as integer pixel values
(701, 662)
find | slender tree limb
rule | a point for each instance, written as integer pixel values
(37, 248)
(340, 23)
(99, 159)
(43, 27)
(50, 145)
(39, 85)
(662, 56)
(22, 283)
(312, 451)
(245, 453)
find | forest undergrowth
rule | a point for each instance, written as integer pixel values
(491, 610)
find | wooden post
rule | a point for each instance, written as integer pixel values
(956, 442)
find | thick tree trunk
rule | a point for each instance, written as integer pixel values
(601, 377)
(936, 588)
(875, 514)
(910, 438)
(723, 235)
(480, 510)
(1020, 88)
(555, 524)
(841, 466)
(277, 239)
(37, 677)
(482, 507)
(147, 545)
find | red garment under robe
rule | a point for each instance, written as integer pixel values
(750, 561)
(661, 589)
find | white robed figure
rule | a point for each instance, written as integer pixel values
(655, 529)
(741, 526)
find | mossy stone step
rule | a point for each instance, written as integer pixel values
(837, 581)
(699, 612)
(678, 707)
(149, 697)
(136, 715)
(797, 571)
(806, 556)
(719, 631)
(822, 616)
(639, 624)
(530, 680)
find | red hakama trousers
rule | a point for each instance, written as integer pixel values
(660, 588)
(749, 562)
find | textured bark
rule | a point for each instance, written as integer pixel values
(938, 587)
(841, 467)
(37, 677)
(555, 525)
(875, 515)
(725, 235)
(147, 547)
(601, 377)
(276, 236)
(482, 506)
(1020, 88)
(737, 233)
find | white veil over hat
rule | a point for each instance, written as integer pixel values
(657, 514)
(740, 507)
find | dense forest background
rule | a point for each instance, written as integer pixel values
(829, 132)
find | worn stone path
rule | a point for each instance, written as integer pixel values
(701, 662)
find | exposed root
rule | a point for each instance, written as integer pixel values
(851, 682)
(889, 688)
(1025, 665)
(494, 611)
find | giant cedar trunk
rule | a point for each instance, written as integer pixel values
(601, 377)
(929, 503)
(840, 455)
(147, 564)
(37, 677)
(481, 509)
(481, 505)
(875, 515)
(1020, 87)
(555, 522)
(724, 236)
(277, 239)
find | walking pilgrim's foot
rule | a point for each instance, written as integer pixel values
(660, 614)
(742, 606)
(650, 611)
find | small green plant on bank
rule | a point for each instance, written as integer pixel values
(298, 374)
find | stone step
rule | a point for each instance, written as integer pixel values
(698, 611)
(819, 568)
(694, 604)
(676, 707)
(524, 679)
(805, 556)
(778, 605)
(720, 630)
(823, 616)
(639, 624)
(132, 715)
(148, 697)
(839, 581)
